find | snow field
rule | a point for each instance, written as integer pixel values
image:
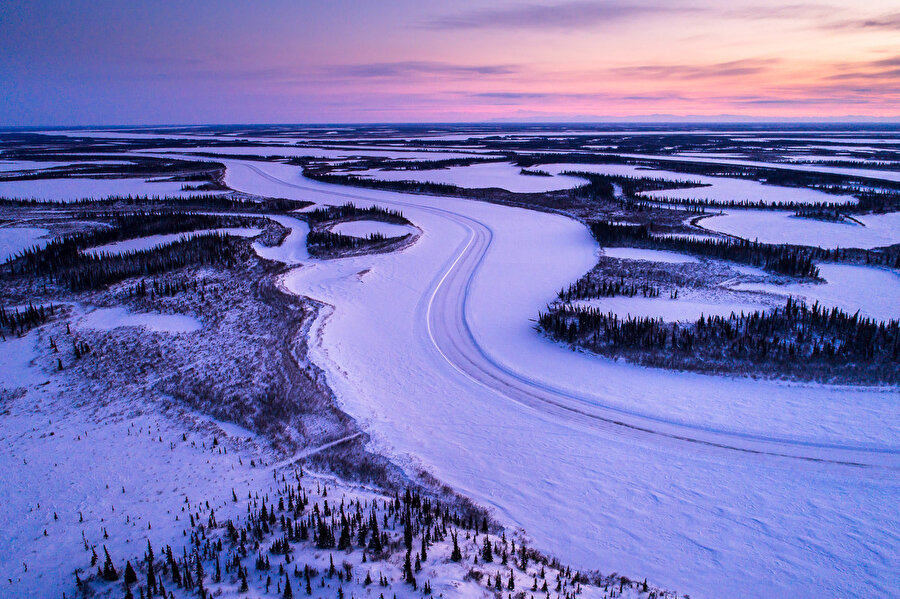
(154, 241)
(105, 319)
(493, 174)
(70, 189)
(874, 292)
(15, 239)
(364, 228)
(667, 257)
(776, 227)
(719, 189)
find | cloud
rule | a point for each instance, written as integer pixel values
(734, 68)
(784, 11)
(410, 68)
(515, 97)
(886, 22)
(884, 69)
(567, 15)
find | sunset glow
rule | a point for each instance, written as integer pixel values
(430, 61)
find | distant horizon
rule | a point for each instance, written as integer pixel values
(666, 120)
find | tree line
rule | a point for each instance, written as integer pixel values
(782, 259)
(796, 333)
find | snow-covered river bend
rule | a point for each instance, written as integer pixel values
(708, 485)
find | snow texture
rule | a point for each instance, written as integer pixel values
(772, 226)
(364, 228)
(152, 241)
(477, 176)
(74, 188)
(721, 189)
(105, 319)
(15, 239)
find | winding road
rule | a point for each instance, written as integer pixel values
(450, 331)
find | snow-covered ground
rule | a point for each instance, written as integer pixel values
(875, 292)
(493, 174)
(832, 157)
(105, 319)
(15, 239)
(670, 310)
(76, 466)
(73, 188)
(525, 426)
(771, 226)
(433, 350)
(152, 241)
(883, 175)
(364, 228)
(720, 189)
(330, 153)
(623, 253)
(26, 165)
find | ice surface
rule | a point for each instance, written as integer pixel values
(770, 226)
(364, 228)
(494, 174)
(875, 292)
(317, 152)
(73, 188)
(623, 253)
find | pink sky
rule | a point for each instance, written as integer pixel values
(106, 62)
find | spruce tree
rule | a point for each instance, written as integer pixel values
(457, 554)
(487, 555)
(130, 574)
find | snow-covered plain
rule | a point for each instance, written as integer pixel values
(364, 228)
(73, 188)
(317, 152)
(26, 165)
(15, 239)
(883, 175)
(721, 189)
(770, 226)
(493, 174)
(701, 518)
(97, 466)
(105, 319)
(670, 310)
(529, 428)
(875, 292)
(623, 253)
(152, 241)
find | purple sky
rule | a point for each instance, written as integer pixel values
(115, 62)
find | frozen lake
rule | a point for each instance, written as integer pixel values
(770, 226)
(364, 228)
(494, 174)
(72, 188)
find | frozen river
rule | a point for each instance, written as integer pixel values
(709, 485)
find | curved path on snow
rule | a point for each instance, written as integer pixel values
(449, 329)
